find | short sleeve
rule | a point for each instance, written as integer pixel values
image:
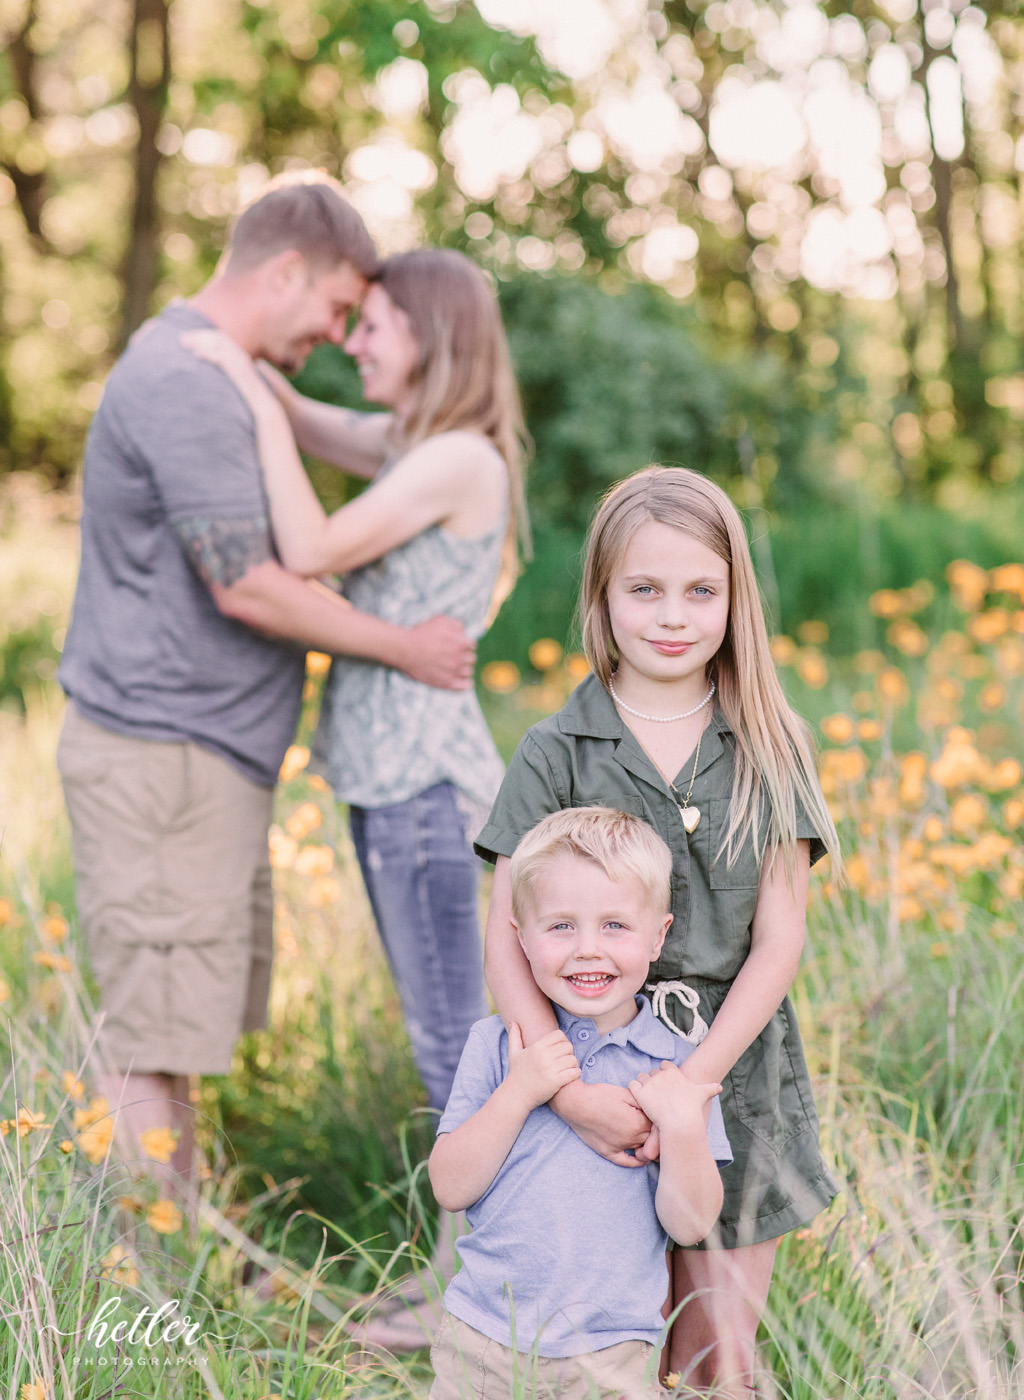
(529, 791)
(807, 830)
(478, 1075)
(196, 435)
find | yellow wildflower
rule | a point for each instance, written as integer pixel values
(813, 633)
(55, 928)
(838, 729)
(578, 666)
(812, 669)
(967, 814)
(886, 603)
(908, 638)
(783, 650)
(164, 1217)
(545, 653)
(500, 676)
(117, 1265)
(968, 583)
(305, 819)
(959, 761)
(67, 1146)
(74, 1088)
(34, 1389)
(158, 1143)
(934, 830)
(318, 663)
(1013, 812)
(989, 625)
(97, 1108)
(294, 761)
(6, 912)
(95, 1138)
(314, 860)
(323, 891)
(1008, 578)
(992, 697)
(869, 730)
(892, 684)
(5, 991)
(283, 849)
(56, 962)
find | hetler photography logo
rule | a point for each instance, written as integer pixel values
(127, 1335)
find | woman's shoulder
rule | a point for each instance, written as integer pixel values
(455, 448)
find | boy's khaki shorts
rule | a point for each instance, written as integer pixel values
(174, 895)
(469, 1366)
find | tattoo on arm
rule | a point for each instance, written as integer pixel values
(222, 550)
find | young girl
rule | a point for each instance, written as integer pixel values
(684, 723)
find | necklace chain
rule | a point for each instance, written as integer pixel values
(659, 719)
(683, 803)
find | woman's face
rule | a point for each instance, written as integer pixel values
(384, 349)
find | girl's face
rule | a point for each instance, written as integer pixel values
(668, 603)
(385, 350)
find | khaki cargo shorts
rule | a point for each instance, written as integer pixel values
(469, 1366)
(174, 895)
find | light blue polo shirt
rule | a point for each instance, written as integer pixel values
(566, 1254)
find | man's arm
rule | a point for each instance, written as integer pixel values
(235, 560)
(465, 1162)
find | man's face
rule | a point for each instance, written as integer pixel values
(306, 309)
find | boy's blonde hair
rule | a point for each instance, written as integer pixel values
(464, 378)
(621, 845)
(775, 772)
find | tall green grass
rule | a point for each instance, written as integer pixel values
(908, 1288)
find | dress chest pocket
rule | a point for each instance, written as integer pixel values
(745, 871)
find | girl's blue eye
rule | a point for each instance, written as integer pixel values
(643, 588)
(704, 590)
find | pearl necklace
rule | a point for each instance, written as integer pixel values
(658, 719)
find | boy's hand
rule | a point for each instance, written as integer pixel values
(538, 1071)
(671, 1100)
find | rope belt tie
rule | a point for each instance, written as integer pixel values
(660, 993)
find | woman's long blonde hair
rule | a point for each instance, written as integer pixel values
(464, 378)
(775, 770)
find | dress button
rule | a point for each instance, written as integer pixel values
(592, 1060)
(582, 1034)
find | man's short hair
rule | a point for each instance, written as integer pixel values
(305, 210)
(623, 846)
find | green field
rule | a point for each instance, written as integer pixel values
(908, 1288)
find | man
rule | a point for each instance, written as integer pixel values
(184, 660)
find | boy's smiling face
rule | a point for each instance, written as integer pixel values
(590, 939)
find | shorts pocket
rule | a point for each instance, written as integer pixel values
(768, 1096)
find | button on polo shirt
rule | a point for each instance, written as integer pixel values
(566, 1252)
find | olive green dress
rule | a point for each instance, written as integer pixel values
(585, 756)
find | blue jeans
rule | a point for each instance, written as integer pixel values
(421, 876)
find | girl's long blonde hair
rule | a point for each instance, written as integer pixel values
(775, 770)
(464, 377)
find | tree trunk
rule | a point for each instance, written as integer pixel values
(150, 54)
(30, 186)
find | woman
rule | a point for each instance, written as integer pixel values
(435, 532)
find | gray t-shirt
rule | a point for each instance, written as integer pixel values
(148, 654)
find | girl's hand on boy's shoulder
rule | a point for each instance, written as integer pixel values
(671, 1100)
(538, 1071)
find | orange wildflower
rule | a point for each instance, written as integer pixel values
(545, 653)
(500, 676)
(293, 763)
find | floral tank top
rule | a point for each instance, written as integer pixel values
(383, 737)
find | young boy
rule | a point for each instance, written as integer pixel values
(563, 1275)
